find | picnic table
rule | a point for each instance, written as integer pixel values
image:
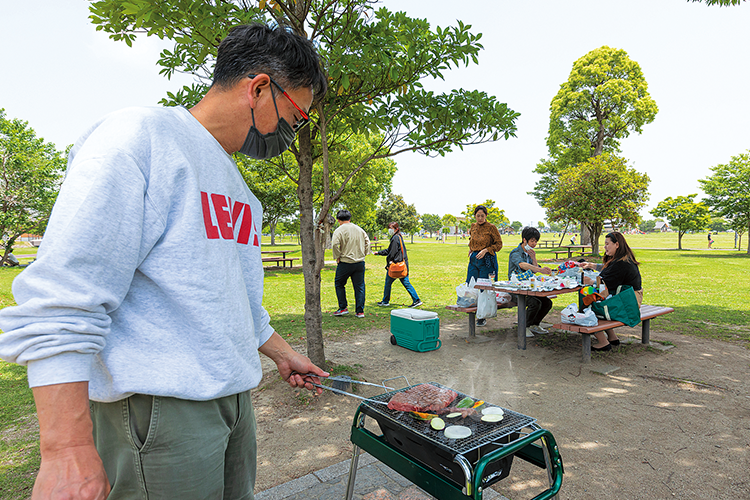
(521, 300)
(283, 259)
(548, 243)
(570, 249)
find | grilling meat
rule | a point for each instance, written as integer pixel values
(422, 397)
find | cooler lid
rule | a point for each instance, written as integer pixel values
(414, 314)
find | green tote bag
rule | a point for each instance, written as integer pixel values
(622, 307)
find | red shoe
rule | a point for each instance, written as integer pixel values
(360, 315)
(341, 312)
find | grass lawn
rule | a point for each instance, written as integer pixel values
(707, 288)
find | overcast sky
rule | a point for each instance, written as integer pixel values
(60, 75)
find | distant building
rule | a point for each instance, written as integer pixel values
(662, 226)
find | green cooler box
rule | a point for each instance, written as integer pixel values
(416, 330)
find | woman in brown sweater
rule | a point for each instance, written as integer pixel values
(484, 241)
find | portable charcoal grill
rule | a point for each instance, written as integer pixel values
(453, 469)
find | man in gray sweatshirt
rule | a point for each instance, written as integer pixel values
(141, 362)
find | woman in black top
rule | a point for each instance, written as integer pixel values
(619, 268)
(394, 254)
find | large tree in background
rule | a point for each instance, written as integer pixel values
(603, 188)
(604, 100)
(494, 215)
(432, 223)
(728, 190)
(376, 61)
(30, 174)
(683, 213)
(277, 193)
(393, 208)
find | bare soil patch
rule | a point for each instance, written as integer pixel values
(672, 424)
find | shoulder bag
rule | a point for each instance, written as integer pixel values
(622, 307)
(398, 270)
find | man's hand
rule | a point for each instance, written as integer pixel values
(71, 467)
(482, 253)
(546, 270)
(72, 473)
(291, 364)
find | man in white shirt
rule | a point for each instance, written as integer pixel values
(350, 245)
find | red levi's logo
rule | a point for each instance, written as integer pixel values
(228, 226)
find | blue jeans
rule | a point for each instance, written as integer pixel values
(481, 268)
(356, 271)
(404, 281)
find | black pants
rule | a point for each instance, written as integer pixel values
(355, 271)
(536, 309)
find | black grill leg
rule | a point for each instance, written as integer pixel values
(472, 325)
(646, 334)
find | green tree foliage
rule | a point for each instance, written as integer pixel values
(516, 225)
(394, 209)
(717, 224)
(603, 188)
(432, 223)
(277, 194)
(376, 61)
(30, 173)
(449, 220)
(494, 215)
(720, 3)
(647, 226)
(604, 100)
(683, 213)
(728, 190)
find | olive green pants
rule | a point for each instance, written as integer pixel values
(156, 448)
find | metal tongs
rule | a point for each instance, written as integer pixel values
(340, 382)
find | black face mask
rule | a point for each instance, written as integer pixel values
(262, 147)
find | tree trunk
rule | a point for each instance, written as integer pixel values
(679, 240)
(585, 235)
(310, 256)
(272, 227)
(748, 239)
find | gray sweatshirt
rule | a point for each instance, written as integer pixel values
(149, 278)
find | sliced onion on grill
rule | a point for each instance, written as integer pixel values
(493, 410)
(492, 417)
(457, 432)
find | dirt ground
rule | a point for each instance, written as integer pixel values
(666, 424)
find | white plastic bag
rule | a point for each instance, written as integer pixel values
(487, 304)
(503, 298)
(467, 294)
(571, 316)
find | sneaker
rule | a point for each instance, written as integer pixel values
(383, 303)
(360, 315)
(529, 333)
(538, 329)
(416, 304)
(341, 312)
(481, 322)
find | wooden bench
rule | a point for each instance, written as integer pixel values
(283, 260)
(473, 314)
(647, 314)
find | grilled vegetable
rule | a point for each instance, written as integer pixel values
(454, 414)
(457, 432)
(466, 402)
(492, 417)
(422, 416)
(492, 410)
(437, 423)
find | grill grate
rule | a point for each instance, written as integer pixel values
(482, 433)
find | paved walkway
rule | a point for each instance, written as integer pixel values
(374, 481)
